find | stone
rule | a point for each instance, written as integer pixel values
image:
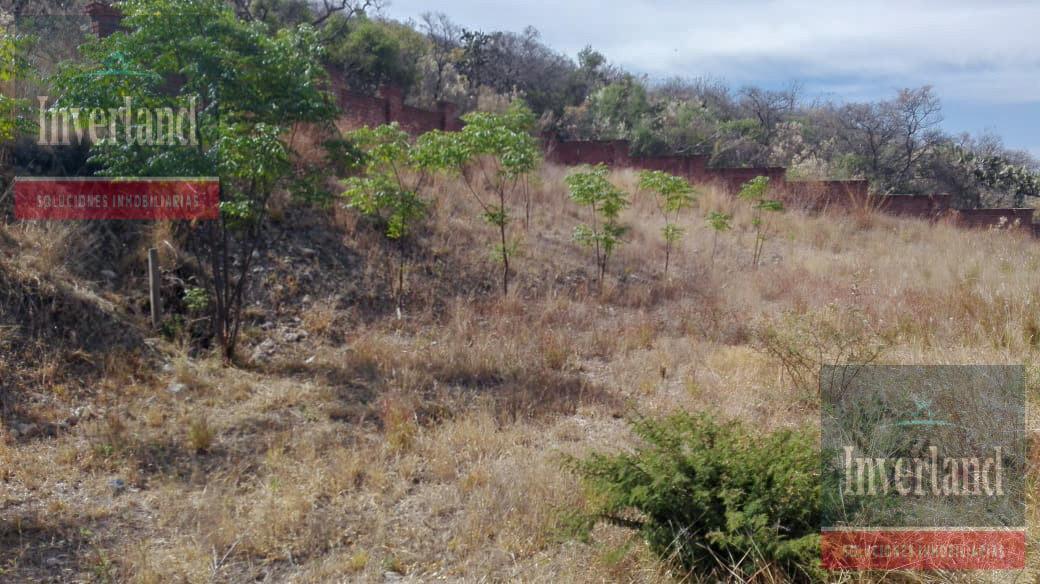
(117, 486)
(175, 388)
(263, 351)
(25, 430)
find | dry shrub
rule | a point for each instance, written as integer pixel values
(323, 320)
(556, 350)
(201, 433)
(803, 343)
(400, 423)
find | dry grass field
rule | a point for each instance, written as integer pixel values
(355, 445)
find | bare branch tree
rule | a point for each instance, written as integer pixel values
(770, 107)
(919, 114)
(348, 8)
(445, 38)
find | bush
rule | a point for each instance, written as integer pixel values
(714, 497)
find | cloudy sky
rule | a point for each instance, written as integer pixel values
(983, 56)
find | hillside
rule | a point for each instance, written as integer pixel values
(354, 445)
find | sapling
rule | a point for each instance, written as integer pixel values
(389, 187)
(719, 222)
(605, 201)
(493, 151)
(754, 192)
(672, 194)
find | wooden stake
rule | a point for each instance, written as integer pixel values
(154, 286)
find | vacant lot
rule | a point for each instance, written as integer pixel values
(356, 444)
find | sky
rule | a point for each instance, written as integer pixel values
(982, 56)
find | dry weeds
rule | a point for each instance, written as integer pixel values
(428, 447)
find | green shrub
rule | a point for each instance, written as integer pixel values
(713, 496)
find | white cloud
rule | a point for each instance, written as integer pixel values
(969, 50)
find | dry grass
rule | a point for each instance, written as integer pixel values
(430, 446)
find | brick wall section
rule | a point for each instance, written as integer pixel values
(361, 110)
(694, 168)
(925, 207)
(822, 195)
(985, 218)
(734, 178)
(615, 153)
(578, 152)
(388, 106)
(104, 19)
(855, 194)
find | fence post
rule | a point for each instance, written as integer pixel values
(154, 286)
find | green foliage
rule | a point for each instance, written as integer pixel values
(754, 192)
(371, 53)
(497, 149)
(7, 72)
(196, 299)
(248, 84)
(389, 187)
(719, 222)
(594, 190)
(755, 189)
(383, 191)
(12, 66)
(998, 173)
(620, 107)
(715, 497)
(672, 194)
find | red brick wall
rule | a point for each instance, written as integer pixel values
(826, 194)
(927, 207)
(855, 194)
(693, 168)
(734, 178)
(616, 153)
(361, 110)
(365, 110)
(104, 19)
(578, 152)
(985, 218)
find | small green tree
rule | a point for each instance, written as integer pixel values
(754, 192)
(250, 86)
(672, 194)
(605, 201)
(495, 152)
(719, 222)
(388, 188)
